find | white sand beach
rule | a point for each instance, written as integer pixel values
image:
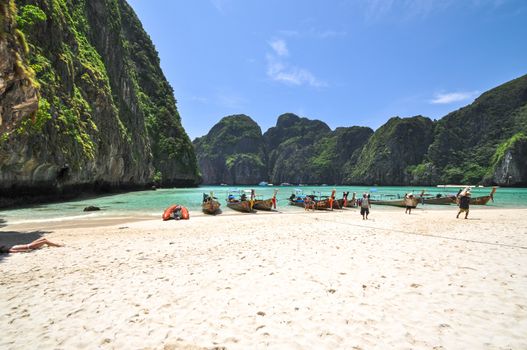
(324, 280)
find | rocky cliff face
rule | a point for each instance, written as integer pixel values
(387, 157)
(289, 144)
(307, 151)
(106, 115)
(232, 152)
(296, 150)
(484, 142)
(18, 90)
(470, 142)
(510, 169)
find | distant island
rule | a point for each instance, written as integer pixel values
(483, 143)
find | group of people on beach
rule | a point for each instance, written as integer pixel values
(463, 200)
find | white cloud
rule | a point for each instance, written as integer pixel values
(221, 5)
(278, 69)
(375, 10)
(280, 47)
(452, 97)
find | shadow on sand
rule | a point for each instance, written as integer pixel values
(11, 238)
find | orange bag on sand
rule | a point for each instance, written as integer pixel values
(184, 213)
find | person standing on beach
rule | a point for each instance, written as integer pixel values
(307, 203)
(408, 202)
(365, 207)
(464, 203)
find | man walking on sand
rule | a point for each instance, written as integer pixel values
(408, 202)
(464, 203)
(365, 207)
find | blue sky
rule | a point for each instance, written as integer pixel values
(346, 62)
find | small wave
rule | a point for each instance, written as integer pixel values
(55, 219)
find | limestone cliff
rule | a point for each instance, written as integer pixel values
(510, 162)
(232, 152)
(482, 143)
(106, 115)
(470, 143)
(289, 144)
(388, 156)
(307, 151)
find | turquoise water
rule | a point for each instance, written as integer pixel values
(152, 203)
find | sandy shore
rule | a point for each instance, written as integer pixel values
(280, 281)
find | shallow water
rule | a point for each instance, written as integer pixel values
(152, 203)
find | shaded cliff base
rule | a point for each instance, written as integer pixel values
(22, 196)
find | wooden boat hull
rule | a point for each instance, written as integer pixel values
(322, 204)
(210, 207)
(297, 204)
(395, 202)
(440, 201)
(483, 200)
(243, 206)
(263, 204)
(352, 203)
(480, 200)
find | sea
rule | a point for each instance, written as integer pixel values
(152, 203)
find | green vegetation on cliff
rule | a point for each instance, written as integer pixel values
(390, 153)
(292, 146)
(307, 151)
(232, 152)
(105, 113)
(484, 142)
(470, 142)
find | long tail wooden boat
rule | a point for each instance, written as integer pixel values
(297, 199)
(242, 204)
(314, 203)
(210, 205)
(297, 202)
(351, 203)
(265, 204)
(444, 200)
(327, 202)
(483, 199)
(346, 202)
(395, 202)
(321, 204)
